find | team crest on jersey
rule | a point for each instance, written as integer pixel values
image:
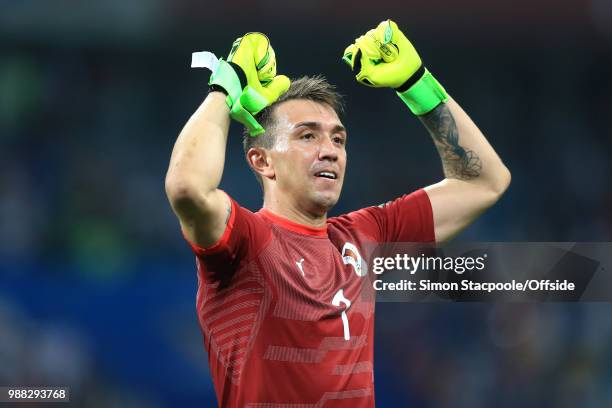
(351, 256)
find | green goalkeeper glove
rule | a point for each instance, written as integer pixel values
(249, 79)
(384, 58)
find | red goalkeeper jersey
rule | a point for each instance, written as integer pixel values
(287, 310)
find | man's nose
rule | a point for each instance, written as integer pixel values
(327, 149)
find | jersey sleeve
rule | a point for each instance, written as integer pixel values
(406, 219)
(244, 236)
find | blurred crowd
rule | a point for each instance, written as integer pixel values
(88, 117)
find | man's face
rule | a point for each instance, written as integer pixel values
(309, 155)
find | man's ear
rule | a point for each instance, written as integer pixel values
(261, 162)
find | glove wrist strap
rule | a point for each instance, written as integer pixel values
(230, 78)
(248, 97)
(225, 77)
(424, 95)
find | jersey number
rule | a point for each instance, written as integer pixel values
(339, 298)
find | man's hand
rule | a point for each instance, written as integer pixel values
(384, 58)
(475, 176)
(249, 79)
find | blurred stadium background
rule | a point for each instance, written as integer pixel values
(97, 287)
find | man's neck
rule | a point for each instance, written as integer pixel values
(294, 213)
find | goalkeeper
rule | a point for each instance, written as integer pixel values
(279, 298)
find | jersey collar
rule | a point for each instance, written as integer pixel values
(294, 226)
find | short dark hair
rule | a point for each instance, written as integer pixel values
(312, 88)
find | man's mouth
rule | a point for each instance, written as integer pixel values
(327, 174)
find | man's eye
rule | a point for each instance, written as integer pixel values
(339, 140)
(307, 136)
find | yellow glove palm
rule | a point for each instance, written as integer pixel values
(249, 79)
(383, 57)
(254, 54)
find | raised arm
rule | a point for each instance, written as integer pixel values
(195, 171)
(475, 175)
(242, 86)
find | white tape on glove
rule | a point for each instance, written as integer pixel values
(204, 59)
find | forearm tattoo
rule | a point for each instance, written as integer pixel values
(457, 162)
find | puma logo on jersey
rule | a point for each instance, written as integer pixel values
(299, 265)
